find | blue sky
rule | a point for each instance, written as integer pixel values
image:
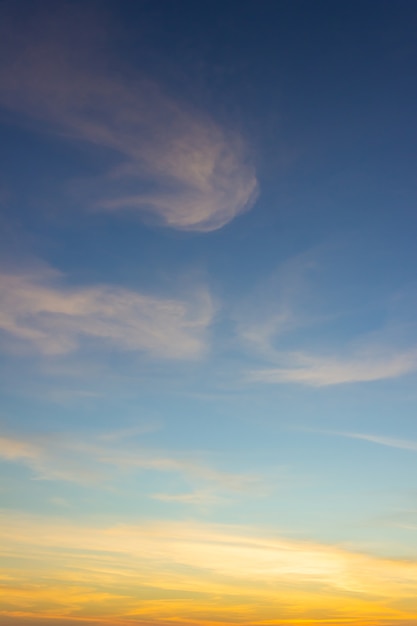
(207, 326)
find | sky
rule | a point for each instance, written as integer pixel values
(208, 298)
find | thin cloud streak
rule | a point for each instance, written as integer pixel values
(88, 463)
(390, 442)
(175, 163)
(201, 498)
(319, 371)
(52, 319)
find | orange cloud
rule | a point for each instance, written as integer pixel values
(192, 573)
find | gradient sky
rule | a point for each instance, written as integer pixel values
(208, 330)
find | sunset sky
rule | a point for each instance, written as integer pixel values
(208, 313)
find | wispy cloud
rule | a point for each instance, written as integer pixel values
(290, 320)
(220, 571)
(53, 319)
(321, 371)
(50, 459)
(174, 162)
(94, 462)
(391, 442)
(199, 497)
(279, 305)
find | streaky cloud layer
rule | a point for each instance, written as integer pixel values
(204, 573)
(175, 163)
(52, 319)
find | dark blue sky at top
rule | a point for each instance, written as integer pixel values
(323, 92)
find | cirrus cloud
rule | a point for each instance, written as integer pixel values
(91, 462)
(174, 162)
(38, 311)
(321, 371)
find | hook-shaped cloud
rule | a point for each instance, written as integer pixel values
(174, 163)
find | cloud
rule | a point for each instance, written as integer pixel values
(94, 462)
(38, 311)
(391, 442)
(199, 497)
(319, 371)
(289, 323)
(173, 162)
(50, 459)
(199, 573)
(16, 449)
(279, 305)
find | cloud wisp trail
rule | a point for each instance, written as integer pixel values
(173, 162)
(390, 442)
(39, 312)
(322, 371)
(93, 462)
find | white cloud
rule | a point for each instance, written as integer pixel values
(39, 311)
(282, 322)
(175, 163)
(319, 371)
(391, 442)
